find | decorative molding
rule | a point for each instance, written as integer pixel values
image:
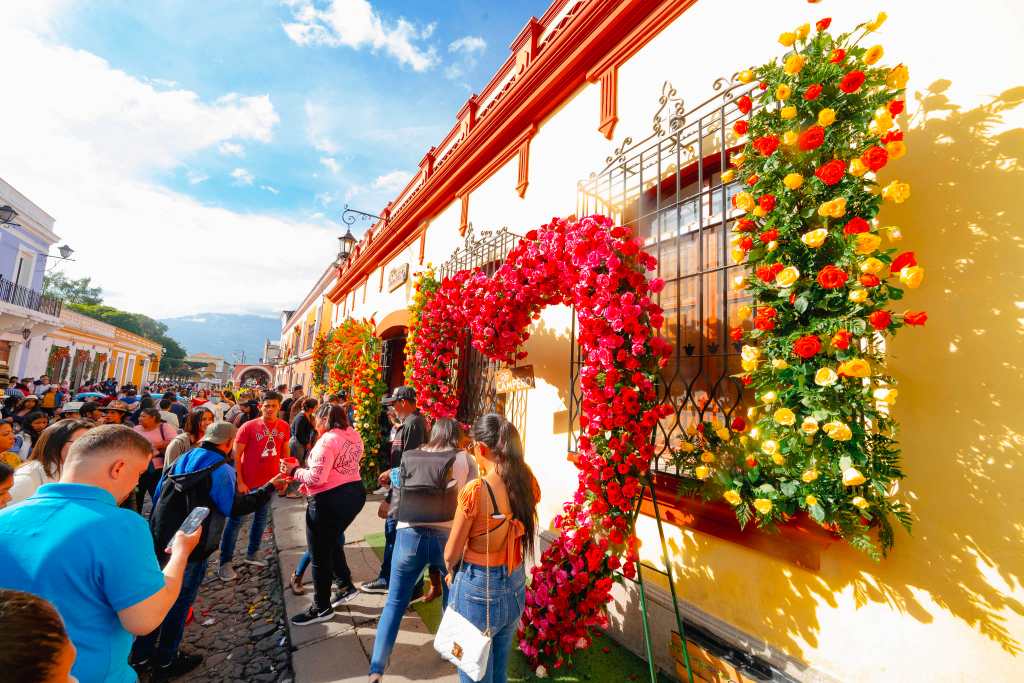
(380, 287)
(423, 240)
(524, 167)
(609, 101)
(464, 213)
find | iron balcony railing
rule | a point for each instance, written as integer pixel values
(28, 298)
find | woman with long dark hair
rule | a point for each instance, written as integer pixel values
(159, 434)
(333, 483)
(493, 534)
(192, 433)
(32, 425)
(47, 460)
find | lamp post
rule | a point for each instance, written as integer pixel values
(7, 214)
(346, 243)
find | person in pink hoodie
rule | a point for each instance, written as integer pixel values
(336, 495)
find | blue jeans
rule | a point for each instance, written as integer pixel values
(162, 644)
(415, 549)
(230, 537)
(508, 599)
(306, 558)
(390, 527)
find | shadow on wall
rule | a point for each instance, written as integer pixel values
(960, 407)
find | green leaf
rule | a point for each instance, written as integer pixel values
(800, 304)
(817, 513)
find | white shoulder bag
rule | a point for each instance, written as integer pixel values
(457, 639)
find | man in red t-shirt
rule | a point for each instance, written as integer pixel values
(259, 447)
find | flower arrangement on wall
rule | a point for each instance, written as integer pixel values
(425, 284)
(826, 280)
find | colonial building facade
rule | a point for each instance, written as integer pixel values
(299, 329)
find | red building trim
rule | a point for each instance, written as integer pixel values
(609, 101)
(463, 213)
(524, 167)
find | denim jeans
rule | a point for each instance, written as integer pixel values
(162, 644)
(230, 537)
(415, 549)
(507, 601)
(390, 527)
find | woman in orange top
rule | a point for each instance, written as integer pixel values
(493, 532)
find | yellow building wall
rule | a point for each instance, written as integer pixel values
(948, 604)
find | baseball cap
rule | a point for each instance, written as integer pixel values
(401, 394)
(220, 432)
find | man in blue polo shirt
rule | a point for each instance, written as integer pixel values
(71, 544)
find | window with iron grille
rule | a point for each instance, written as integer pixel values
(668, 189)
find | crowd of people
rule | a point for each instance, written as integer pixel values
(93, 495)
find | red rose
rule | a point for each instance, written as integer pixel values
(741, 127)
(902, 261)
(837, 56)
(766, 144)
(812, 92)
(762, 85)
(744, 104)
(745, 225)
(875, 157)
(915, 317)
(764, 324)
(738, 424)
(746, 243)
(807, 347)
(766, 202)
(811, 138)
(896, 107)
(841, 339)
(869, 280)
(736, 334)
(823, 24)
(851, 82)
(892, 136)
(855, 226)
(747, 380)
(767, 275)
(831, 277)
(832, 172)
(769, 235)
(880, 320)
(752, 180)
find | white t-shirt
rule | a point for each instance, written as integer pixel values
(170, 418)
(27, 480)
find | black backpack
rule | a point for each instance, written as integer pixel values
(428, 492)
(179, 495)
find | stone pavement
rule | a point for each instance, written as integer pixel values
(339, 650)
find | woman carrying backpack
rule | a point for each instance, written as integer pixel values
(492, 535)
(425, 489)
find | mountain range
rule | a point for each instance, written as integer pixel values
(224, 334)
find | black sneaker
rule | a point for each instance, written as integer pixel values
(141, 666)
(342, 594)
(181, 665)
(378, 585)
(312, 616)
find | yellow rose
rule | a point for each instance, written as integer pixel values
(858, 367)
(724, 434)
(783, 92)
(748, 365)
(793, 181)
(871, 265)
(744, 312)
(814, 238)
(770, 447)
(732, 497)
(737, 159)
(745, 76)
(885, 395)
(686, 447)
(728, 175)
(763, 505)
(787, 277)
(881, 123)
(779, 364)
(772, 246)
(779, 459)
(896, 149)
(853, 477)
(859, 502)
(866, 242)
(809, 426)
(810, 500)
(702, 472)
(794, 63)
(912, 276)
(877, 23)
(745, 201)
(769, 397)
(835, 208)
(788, 113)
(738, 254)
(858, 296)
(707, 457)
(898, 77)
(787, 39)
(750, 352)
(803, 30)
(826, 117)
(837, 431)
(789, 138)
(873, 54)
(784, 417)
(857, 168)
(759, 212)
(825, 377)
(892, 233)
(809, 476)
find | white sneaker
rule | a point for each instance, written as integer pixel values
(255, 561)
(226, 573)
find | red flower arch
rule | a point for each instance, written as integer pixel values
(600, 269)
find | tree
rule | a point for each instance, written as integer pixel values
(79, 291)
(139, 324)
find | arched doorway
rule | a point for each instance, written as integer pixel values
(255, 377)
(392, 357)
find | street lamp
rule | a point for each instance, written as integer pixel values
(345, 245)
(65, 251)
(7, 214)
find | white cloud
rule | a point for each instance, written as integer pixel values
(88, 150)
(392, 182)
(331, 164)
(231, 149)
(466, 49)
(319, 122)
(468, 45)
(271, 189)
(195, 177)
(355, 24)
(242, 176)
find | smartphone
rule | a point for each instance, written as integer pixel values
(192, 522)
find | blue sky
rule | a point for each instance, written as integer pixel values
(203, 123)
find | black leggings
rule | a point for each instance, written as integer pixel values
(327, 516)
(147, 484)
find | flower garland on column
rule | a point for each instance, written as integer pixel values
(424, 285)
(824, 289)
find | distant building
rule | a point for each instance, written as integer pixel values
(213, 369)
(299, 329)
(271, 353)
